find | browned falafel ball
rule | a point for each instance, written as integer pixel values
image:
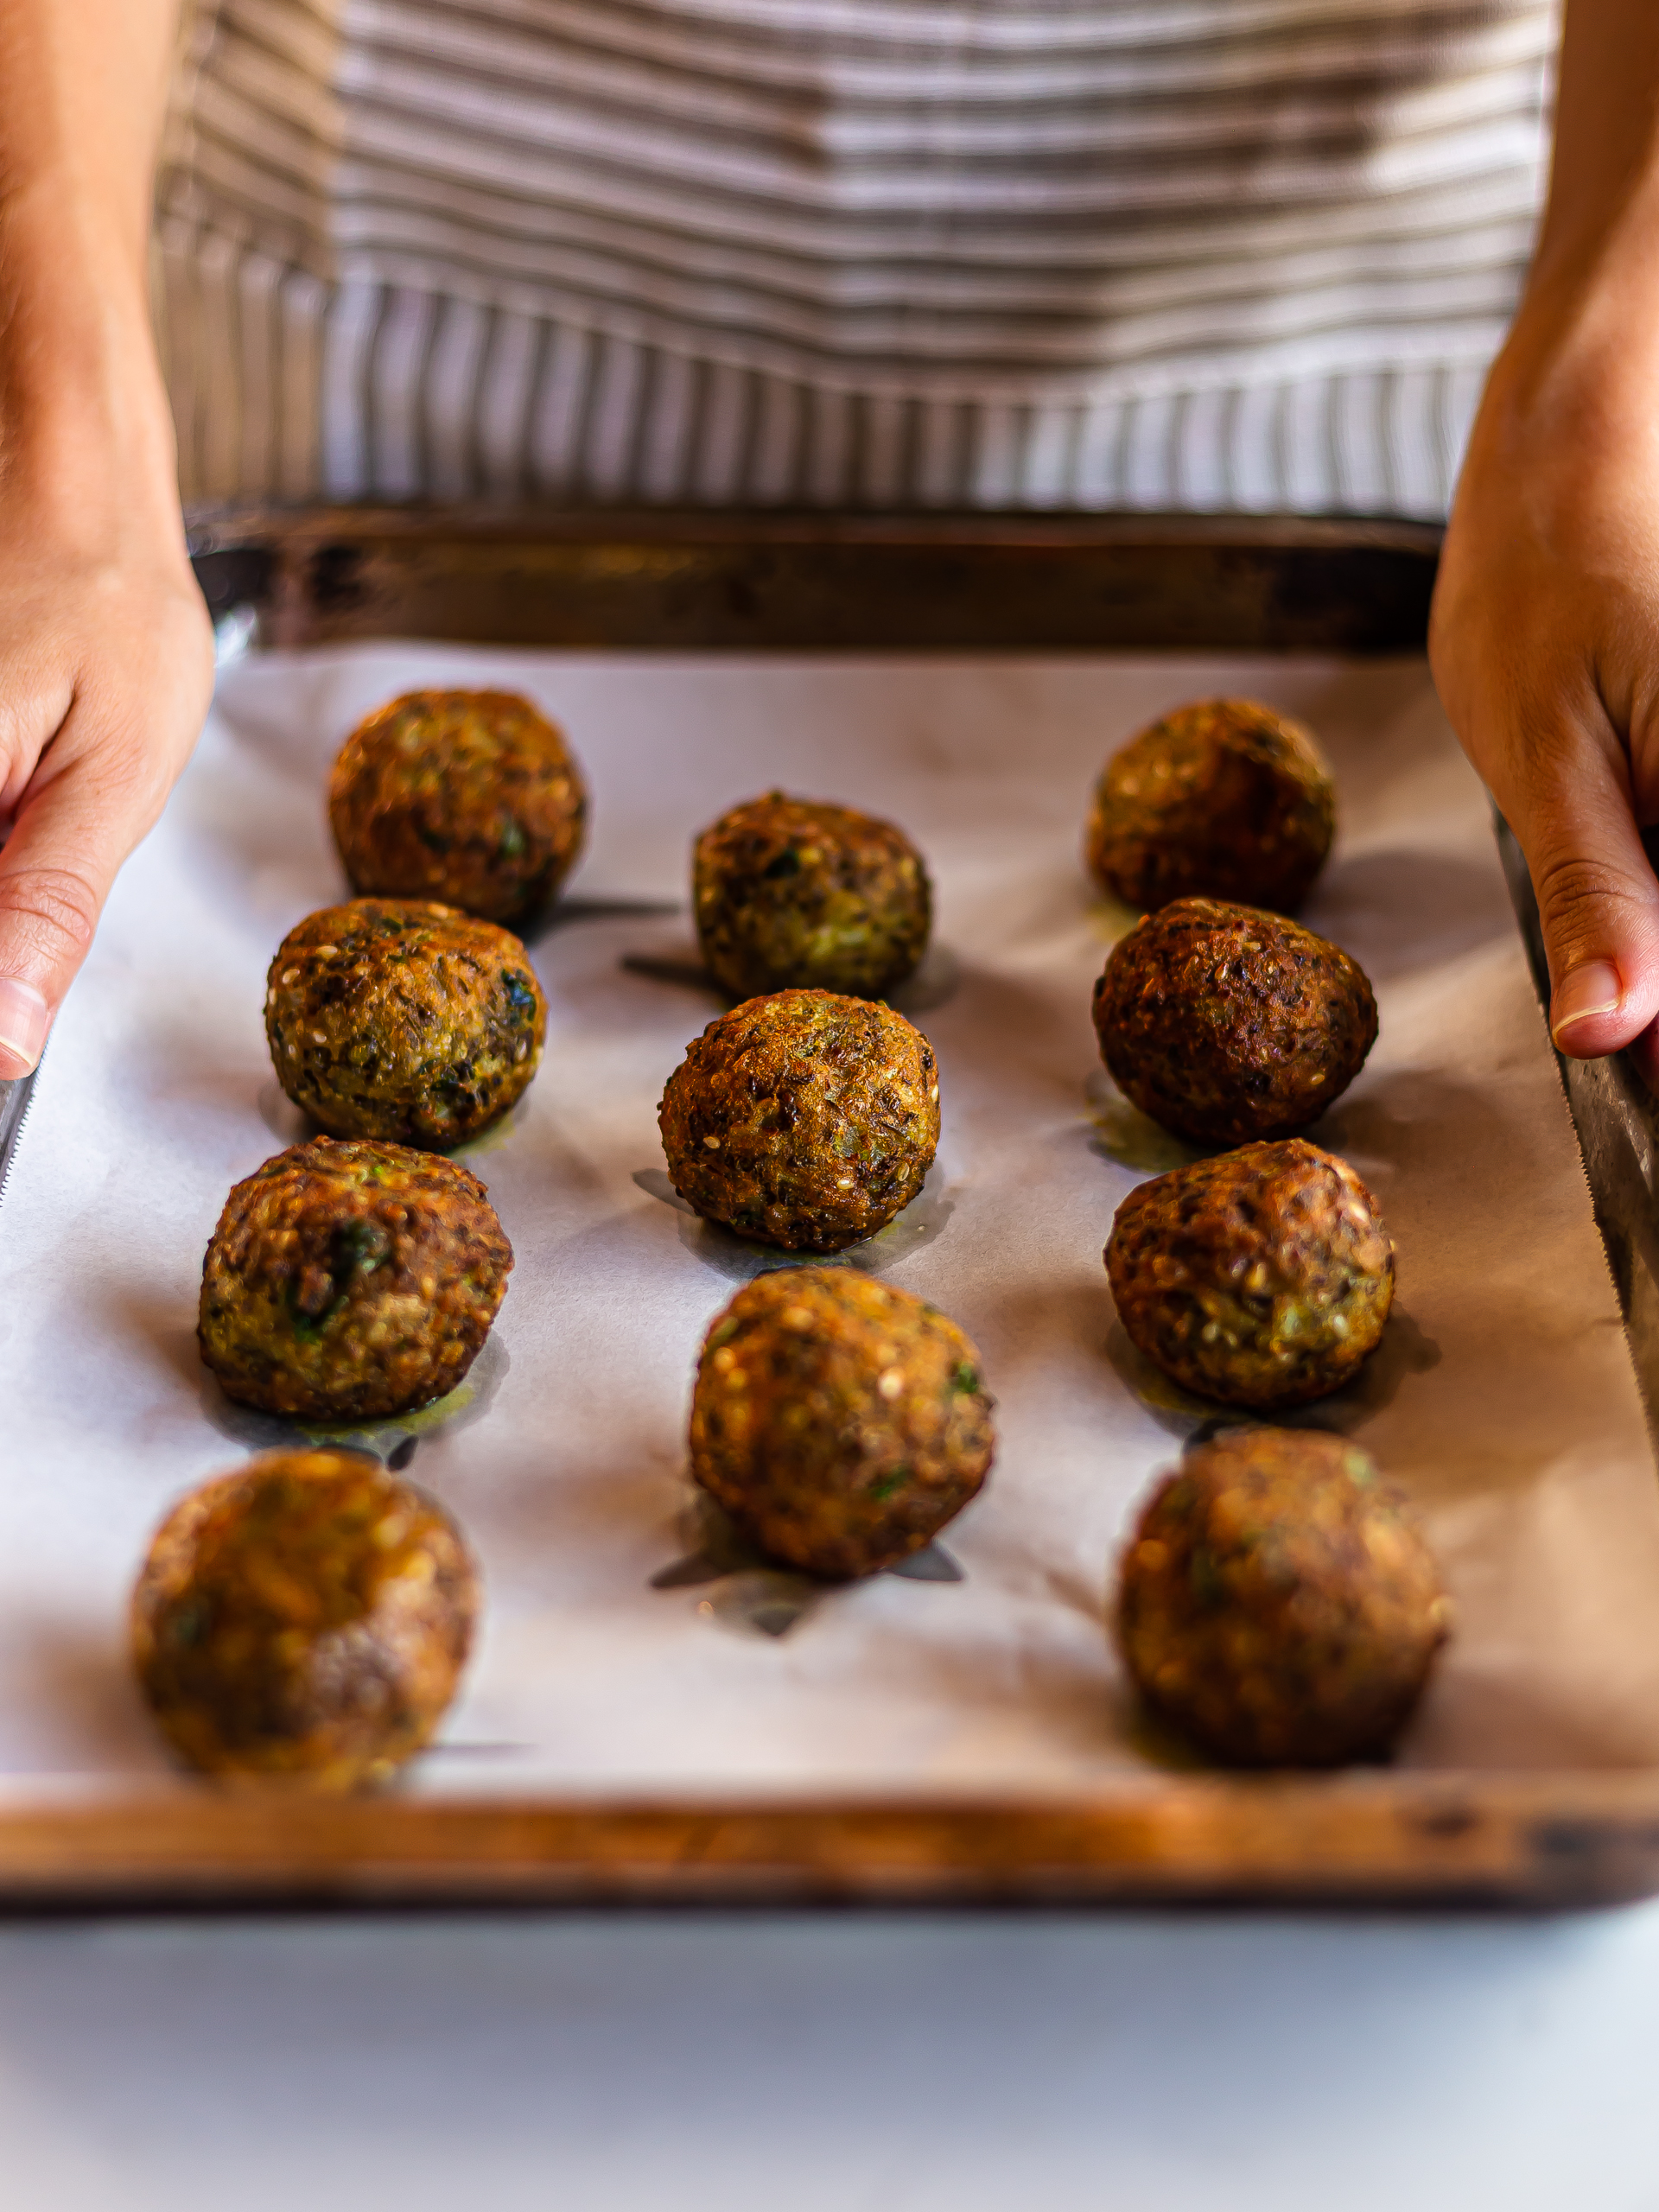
(841, 1422)
(1223, 799)
(1226, 1023)
(304, 1619)
(389, 1018)
(805, 1119)
(469, 798)
(1261, 1278)
(349, 1281)
(1276, 1603)
(789, 894)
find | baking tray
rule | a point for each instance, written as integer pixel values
(756, 583)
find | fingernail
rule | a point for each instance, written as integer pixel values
(1593, 989)
(23, 1027)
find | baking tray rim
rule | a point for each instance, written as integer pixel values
(696, 579)
(1540, 1839)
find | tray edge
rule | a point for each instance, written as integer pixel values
(1545, 1841)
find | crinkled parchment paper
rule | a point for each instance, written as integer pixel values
(1502, 1395)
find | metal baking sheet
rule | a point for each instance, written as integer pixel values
(905, 1739)
(14, 1108)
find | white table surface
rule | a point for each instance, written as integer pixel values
(800, 2063)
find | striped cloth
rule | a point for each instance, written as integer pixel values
(1205, 255)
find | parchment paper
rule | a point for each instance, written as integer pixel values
(1502, 1397)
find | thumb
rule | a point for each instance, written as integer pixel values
(71, 833)
(1598, 898)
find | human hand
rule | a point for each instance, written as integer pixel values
(1545, 645)
(1545, 632)
(105, 668)
(106, 652)
(105, 672)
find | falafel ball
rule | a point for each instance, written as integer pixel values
(389, 1018)
(839, 1421)
(1223, 799)
(1276, 1603)
(1261, 1278)
(306, 1618)
(349, 1281)
(1226, 1023)
(805, 1119)
(470, 798)
(792, 895)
